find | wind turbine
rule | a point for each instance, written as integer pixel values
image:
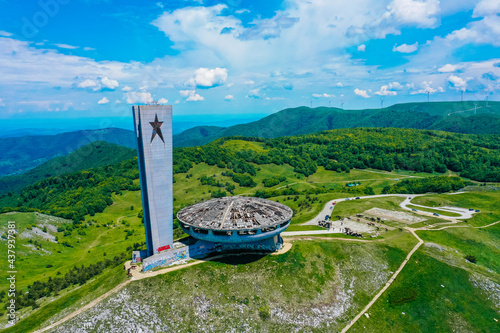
(329, 103)
(381, 103)
(462, 96)
(428, 96)
(342, 104)
(475, 108)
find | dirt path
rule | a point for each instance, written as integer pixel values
(84, 308)
(388, 284)
(137, 275)
(393, 277)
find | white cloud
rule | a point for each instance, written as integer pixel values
(127, 88)
(104, 100)
(426, 88)
(395, 86)
(339, 84)
(268, 28)
(86, 48)
(104, 84)
(191, 95)
(195, 24)
(361, 93)
(486, 7)
(1, 102)
(207, 78)
(448, 68)
(362, 47)
(457, 82)
(404, 48)
(5, 33)
(254, 93)
(485, 31)
(138, 97)
(109, 84)
(163, 101)
(414, 12)
(88, 84)
(322, 95)
(385, 91)
(241, 11)
(66, 46)
(249, 82)
(228, 97)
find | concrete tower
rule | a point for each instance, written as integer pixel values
(153, 127)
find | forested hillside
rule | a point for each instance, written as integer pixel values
(93, 155)
(21, 154)
(449, 116)
(86, 192)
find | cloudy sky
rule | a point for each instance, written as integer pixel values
(96, 58)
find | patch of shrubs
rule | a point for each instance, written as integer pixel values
(402, 295)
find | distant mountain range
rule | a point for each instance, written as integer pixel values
(456, 117)
(21, 154)
(93, 155)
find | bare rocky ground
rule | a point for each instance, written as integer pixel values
(394, 215)
(189, 302)
(35, 231)
(491, 288)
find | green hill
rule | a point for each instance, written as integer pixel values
(448, 116)
(93, 155)
(198, 135)
(25, 153)
(245, 165)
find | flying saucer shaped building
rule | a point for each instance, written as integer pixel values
(235, 220)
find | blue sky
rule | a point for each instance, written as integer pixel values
(91, 58)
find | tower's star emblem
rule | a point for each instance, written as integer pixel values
(156, 128)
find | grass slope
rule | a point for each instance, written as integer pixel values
(446, 300)
(314, 286)
(93, 155)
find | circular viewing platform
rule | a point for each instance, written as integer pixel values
(235, 219)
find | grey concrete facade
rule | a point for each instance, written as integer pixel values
(153, 127)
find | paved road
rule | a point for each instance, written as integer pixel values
(464, 213)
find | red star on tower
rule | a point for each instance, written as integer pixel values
(156, 129)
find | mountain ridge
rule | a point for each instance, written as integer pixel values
(456, 117)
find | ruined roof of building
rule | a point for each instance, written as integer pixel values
(235, 213)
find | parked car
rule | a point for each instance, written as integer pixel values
(347, 199)
(435, 214)
(358, 198)
(477, 210)
(413, 209)
(471, 209)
